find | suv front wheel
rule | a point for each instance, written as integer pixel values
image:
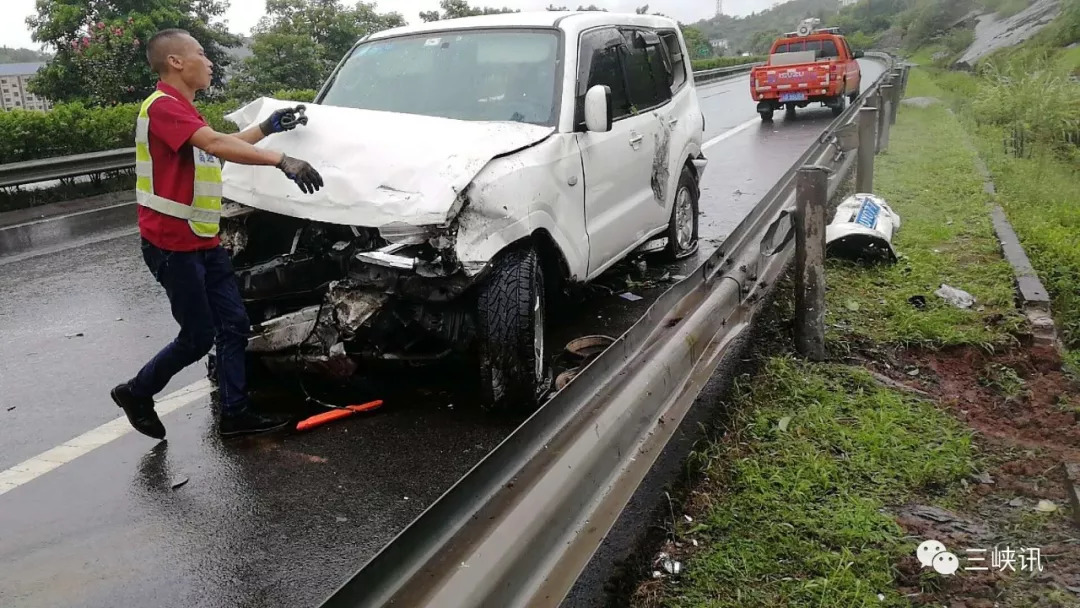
(514, 372)
(682, 232)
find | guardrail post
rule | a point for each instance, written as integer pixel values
(811, 197)
(897, 95)
(864, 177)
(904, 79)
(884, 111)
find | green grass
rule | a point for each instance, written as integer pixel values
(1039, 196)
(1006, 8)
(929, 178)
(1037, 193)
(797, 519)
(925, 56)
(1068, 61)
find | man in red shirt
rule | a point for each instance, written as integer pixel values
(179, 194)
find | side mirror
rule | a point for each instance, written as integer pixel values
(598, 109)
(858, 54)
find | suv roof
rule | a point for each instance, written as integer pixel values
(569, 21)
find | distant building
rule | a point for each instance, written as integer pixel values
(14, 90)
(720, 43)
(848, 2)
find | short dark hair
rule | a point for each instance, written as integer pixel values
(159, 47)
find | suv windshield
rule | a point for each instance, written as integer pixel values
(496, 75)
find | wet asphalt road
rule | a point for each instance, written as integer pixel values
(276, 521)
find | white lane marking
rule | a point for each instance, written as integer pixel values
(29, 470)
(730, 133)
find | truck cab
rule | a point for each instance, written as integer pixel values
(804, 67)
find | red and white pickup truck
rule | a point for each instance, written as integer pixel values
(804, 67)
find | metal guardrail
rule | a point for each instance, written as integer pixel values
(522, 525)
(705, 76)
(47, 169)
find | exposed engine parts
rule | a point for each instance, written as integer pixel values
(321, 295)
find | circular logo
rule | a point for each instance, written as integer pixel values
(946, 563)
(927, 550)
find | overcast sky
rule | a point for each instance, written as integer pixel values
(245, 13)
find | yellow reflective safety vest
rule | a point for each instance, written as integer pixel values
(204, 212)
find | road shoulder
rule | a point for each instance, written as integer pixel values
(930, 422)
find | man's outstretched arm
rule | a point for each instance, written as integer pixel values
(234, 148)
(231, 148)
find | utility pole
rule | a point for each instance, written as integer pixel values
(719, 7)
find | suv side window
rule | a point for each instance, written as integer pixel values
(599, 62)
(648, 71)
(678, 60)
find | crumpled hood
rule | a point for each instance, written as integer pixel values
(378, 167)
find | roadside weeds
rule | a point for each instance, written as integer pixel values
(930, 422)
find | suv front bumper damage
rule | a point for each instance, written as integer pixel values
(324, 304)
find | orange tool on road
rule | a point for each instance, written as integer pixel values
(337, 414)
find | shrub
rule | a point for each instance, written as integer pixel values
(723, 62)
(1029, 97)
(958, 41)
(72, 128)
(1006, 8)
(860, 41)
(1066, 28)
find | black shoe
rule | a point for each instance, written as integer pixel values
(248, 422)
(140, 412)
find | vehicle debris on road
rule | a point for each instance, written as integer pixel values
(957, 297)
(337, 414)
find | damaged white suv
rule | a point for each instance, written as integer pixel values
(474, 169)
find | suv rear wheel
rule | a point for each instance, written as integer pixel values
(514, 372)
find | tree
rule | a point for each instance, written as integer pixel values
(278, 61)
(761, 42)
(696, 43)
(454, 9)
(298, 43)
(99, 45)
(13, 55)
(591, 7)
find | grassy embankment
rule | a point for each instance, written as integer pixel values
(1021, 108)
(805, 500)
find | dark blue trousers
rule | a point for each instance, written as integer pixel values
(206, 302)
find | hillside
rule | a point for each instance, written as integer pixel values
(868, 23)
(10, 55)
(754, 33)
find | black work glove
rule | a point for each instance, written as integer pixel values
(301, 172)
(284, 119)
